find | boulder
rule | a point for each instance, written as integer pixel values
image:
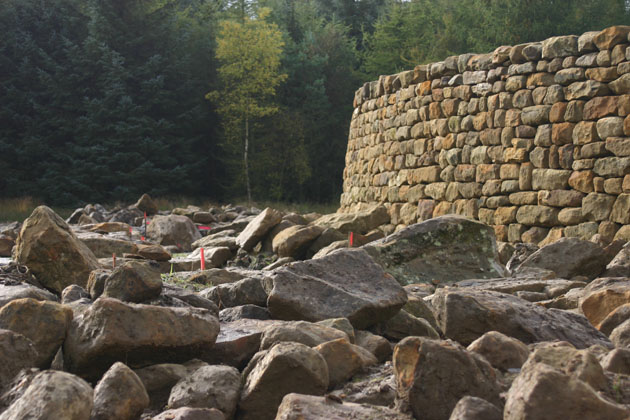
(104, 246)
(360, 222)
(146, 204)
(346, 283)
(258, 228)
(442, 250)
(620, 336)
(111, 330)
(244, 312)
(341, 324)
(307, 333)
(298, 407)
(285, 368)
(134, 281)
(158, 380)
(23, 290)
(620, 264)
(153, 252)
(501, 351)
(51, 250)
(465, 315)
(603, 296)
(119, 395)
(617, 361)
(186, 413)
(542, 392)
(173, 230)
(44, 323)
(615, 318)
(53, 395)
(473, 408)
(16, 353)
(249, 291)
(402, 325)
(433, 375)
(237, 342)
(375, 344)
(581, 364)
(295, 240)
(344, 360)
(73, 293)
(208, 387)
(568, 258)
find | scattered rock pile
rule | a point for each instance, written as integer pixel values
(288, 321)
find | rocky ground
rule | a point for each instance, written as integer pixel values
(289, 320)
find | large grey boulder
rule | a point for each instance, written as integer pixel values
(465, 315)
(104, 246)
(53, 395)
(51, 250)
(119, 395)
(433, 375)
(442, 250)
(568, 258)
(134, 281)
(208, 387)
(274, 373)
(173, 230)
(111, 330)
(344, 284)
(542, 392)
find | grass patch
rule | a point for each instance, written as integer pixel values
(18, 209)
(178, 280)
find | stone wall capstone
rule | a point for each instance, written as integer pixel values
(533, 139)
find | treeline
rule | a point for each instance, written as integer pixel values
(102, 100)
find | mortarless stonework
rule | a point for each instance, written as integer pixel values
(532, 139)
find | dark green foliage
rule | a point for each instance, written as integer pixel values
(422, 31)
(103, 100)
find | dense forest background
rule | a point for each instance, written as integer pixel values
(102, 100)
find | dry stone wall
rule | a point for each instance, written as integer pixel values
(532, 139)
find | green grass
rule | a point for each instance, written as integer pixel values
(18, 209)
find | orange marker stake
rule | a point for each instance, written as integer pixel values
(114, 260)
(203, 260)
(351, 240)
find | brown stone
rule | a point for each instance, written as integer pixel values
(560, 198)
(562, 133)
(585, 132)
(582, 181)
(609, 37)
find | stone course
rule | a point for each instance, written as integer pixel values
(535, 136)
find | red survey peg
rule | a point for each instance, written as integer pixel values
(203, 260)
(351, 239)
(114, 260)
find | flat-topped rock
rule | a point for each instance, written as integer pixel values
(346, 284)
(111, 330)
(442, 250)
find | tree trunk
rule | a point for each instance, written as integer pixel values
(245, 161)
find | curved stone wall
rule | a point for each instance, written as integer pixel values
(531, 139)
